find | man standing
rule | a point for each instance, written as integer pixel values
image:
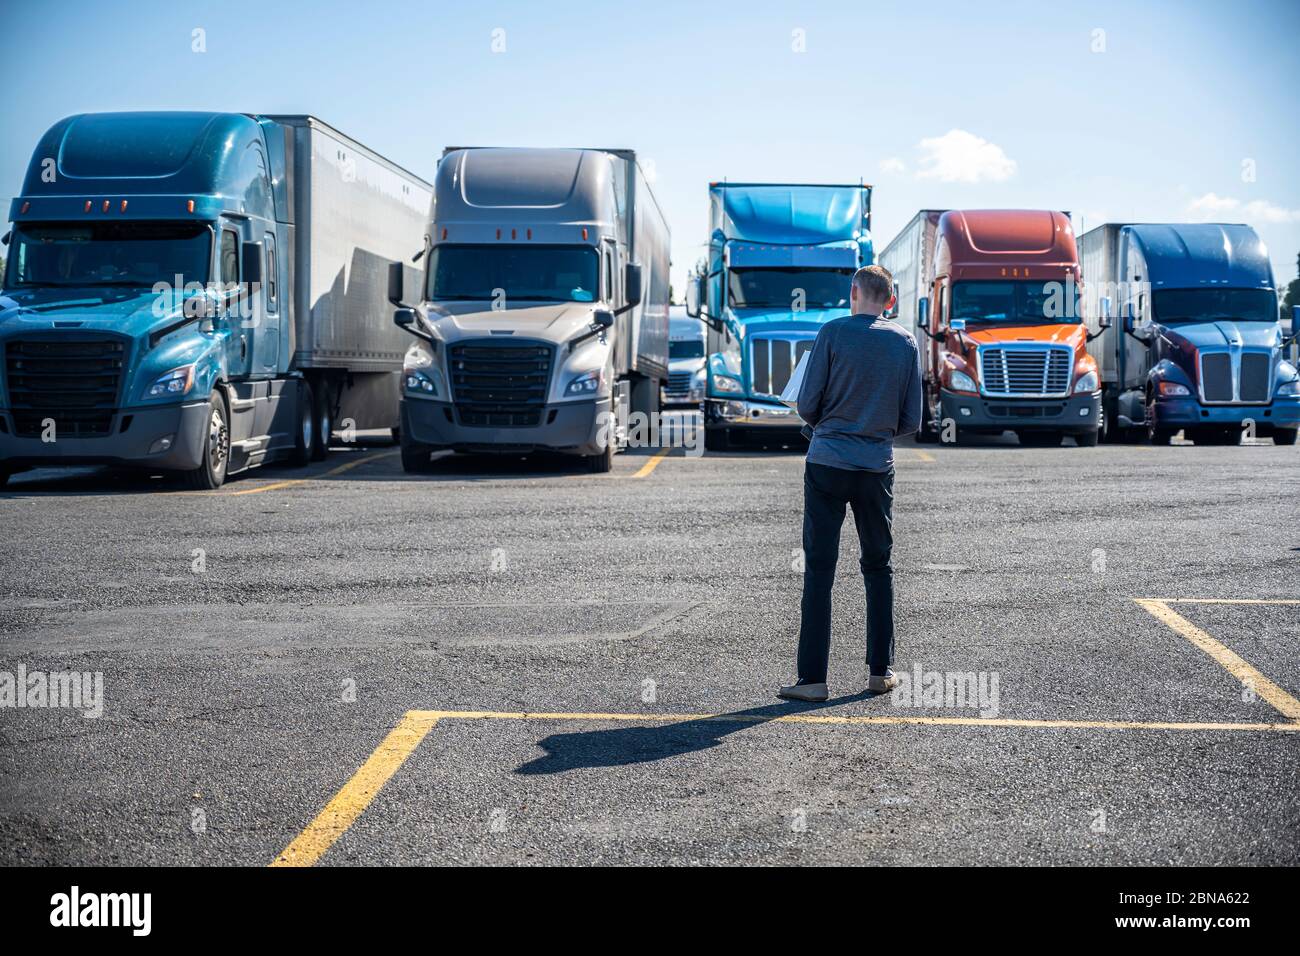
(862, 387)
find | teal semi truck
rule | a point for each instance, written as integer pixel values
(200, 293)
(1187, 333)
(780, 262)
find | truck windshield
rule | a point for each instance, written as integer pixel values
(781, 288)
(533, 273)
(108, 254)
(1206, 305)
(1024, 303)
(682, 350)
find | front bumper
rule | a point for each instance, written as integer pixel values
(1188, 412)
(132, 435)
(746, 414)
(1072, 415)
(689, 397)
(572, 428)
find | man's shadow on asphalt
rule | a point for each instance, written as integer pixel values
(624, 746)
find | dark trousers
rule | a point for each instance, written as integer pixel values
(826, 491)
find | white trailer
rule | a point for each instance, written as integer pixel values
(351, 213)
(910, 259)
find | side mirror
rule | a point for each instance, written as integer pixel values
(201, 305)
(632, 283)
(1104, 320)
(923, 312)
(250, 266)
(4, 240)
(1295, 321)
(693, 297)
(408, 320)
(396, 284)
(957, 325)
(603, 318)
(1128, 317)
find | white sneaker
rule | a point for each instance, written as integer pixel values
(880, 683)
(810, 692)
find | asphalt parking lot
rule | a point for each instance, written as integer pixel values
(518, 662)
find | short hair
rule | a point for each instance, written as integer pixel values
(874, 283)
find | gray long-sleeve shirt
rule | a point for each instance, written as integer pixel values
(862, 387)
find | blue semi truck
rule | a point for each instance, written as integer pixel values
(780, 262)
(200, 293)
(1188, 333)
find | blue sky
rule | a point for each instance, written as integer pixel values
(1176, 111)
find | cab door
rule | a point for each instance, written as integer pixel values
(238, 313)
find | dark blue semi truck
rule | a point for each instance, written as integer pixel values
(200, 293)
(1197, 345)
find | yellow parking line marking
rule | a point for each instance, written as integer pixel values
(1224, 600)
(1238, 667)
(289, 483)
(653, 463)
(923, 455)
(349, 803)
(861, 720)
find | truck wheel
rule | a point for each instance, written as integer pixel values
(415, 458)
(927, 434)
(1040, 439)
(1281, 436)
(323, 423)
(304, 436)
(211, 472)
(603, 462)
(717, 439)
(1087, 439)
(1156, 434)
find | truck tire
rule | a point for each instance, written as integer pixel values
(1155, 433)
(1087, 439)
(304, 436)
(322, 422)
(717, 439)
(602, 463)
(211, 472)
(1281, 436)
(415, 457)
(1040, 439)
(927, 434)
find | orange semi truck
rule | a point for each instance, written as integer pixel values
(992, 296)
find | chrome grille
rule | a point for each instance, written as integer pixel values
(1256, 372)
(679, 383)
(1026, 372)
(71, 380)
(772, 362)
(500, 386)
(1216, 377)
(1229, 377)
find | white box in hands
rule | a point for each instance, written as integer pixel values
(790, 395)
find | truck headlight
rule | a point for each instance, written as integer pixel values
(422, 382)
(1173, 389)
(959, 381)
(176, 382)
(1087, 383)
(725, 383)
(1288, 382)
(588, 383)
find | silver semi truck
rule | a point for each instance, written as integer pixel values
(541, 318)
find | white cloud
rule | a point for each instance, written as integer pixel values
(961, 157)
(893, 165)
(1212, 206)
